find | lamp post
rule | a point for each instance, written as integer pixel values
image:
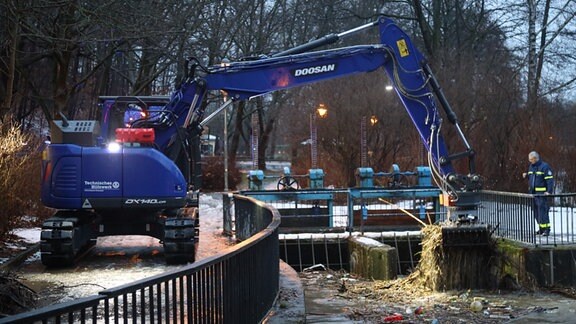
(364, 140)
(225, 62)
(254, 140)
(322, 112)
(226, 149)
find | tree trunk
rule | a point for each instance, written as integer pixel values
(146, 74)
(60, 92)
(437, 25)
(264, 136)
(540, 56)
(424, 27)
(14, 36)
(238, 132)
(532, 59)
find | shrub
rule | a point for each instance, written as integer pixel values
(20, 165)
(213, 174)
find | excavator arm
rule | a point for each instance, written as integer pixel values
(411, 76)
(146, 181)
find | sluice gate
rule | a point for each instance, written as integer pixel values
(307, 251)
(316, 224)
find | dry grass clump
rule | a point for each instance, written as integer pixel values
(430, 270)
(20, 166)
(444, 268)
(426, 277)
(440, 272)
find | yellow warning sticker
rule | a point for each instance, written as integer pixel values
(402, 48)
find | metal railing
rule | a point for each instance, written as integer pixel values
(352, 210)
(238, 285)
(307, 208)
(512, 217)
(404, 209)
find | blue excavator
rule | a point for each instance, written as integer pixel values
(136, 171)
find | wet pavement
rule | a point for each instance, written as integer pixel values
(116, 260)
(289, 306)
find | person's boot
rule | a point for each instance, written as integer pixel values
(539, 231)
(546, 232)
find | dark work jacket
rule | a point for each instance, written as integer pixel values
(540, 178)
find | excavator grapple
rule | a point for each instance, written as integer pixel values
(462, 228)
(466, 235)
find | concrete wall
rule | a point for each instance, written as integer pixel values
(552, 267)
(371, 259)
(544, 267)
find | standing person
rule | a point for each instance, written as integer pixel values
(540, 183)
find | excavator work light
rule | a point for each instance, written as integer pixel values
(113, 147)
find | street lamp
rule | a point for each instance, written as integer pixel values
(225, 63)
(364, 139)
(322, 112)
(226, 171)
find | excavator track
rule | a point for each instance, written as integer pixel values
(181, 235)
(64, 236)
(67, 235)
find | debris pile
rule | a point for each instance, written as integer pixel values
(370, 301)
(15, 297)
(444, 268)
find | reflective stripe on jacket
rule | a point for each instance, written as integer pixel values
(540, 178)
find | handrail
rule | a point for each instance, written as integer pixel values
(211, 290)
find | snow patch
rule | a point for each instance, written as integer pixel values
(29, 235)
(368, 241)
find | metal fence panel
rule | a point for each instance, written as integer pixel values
(512, 216)
(212, 290)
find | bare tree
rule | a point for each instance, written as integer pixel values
(540, 33)
(256, 38)
(89, 50)
(555, 23)
(9, 43)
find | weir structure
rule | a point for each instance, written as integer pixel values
(317, 226)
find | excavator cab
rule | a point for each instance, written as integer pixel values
(128, 112)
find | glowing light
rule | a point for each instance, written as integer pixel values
(322, 111)
(373, 120)
(114, 147)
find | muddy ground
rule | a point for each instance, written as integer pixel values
(334, 296)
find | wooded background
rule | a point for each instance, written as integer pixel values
(507, 67)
